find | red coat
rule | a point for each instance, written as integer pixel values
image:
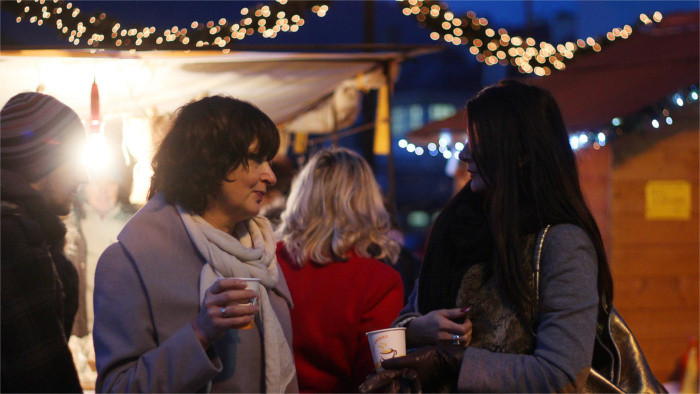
(334, 306)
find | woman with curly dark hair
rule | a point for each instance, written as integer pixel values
(169, 314)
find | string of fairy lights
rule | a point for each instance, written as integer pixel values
(99, 31)
(488, 45)
(103, 32)
(657, 116)
(492, 47)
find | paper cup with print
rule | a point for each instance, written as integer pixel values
(386, 344)
(251, 284)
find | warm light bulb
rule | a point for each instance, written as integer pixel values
(96, 155)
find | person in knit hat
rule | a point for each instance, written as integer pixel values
(40, 141)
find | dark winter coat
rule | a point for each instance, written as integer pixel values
(39, 294)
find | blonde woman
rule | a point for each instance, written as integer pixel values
(334, 233)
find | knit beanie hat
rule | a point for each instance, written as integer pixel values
(37, 135)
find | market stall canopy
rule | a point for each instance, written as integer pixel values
(625, 77)
(285, 85)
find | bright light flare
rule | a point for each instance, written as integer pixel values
(96, 155)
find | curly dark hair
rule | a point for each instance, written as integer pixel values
(208, 139)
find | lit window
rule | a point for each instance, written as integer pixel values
(440, 111)
(418, 219)
(415, 116)
(399, 121)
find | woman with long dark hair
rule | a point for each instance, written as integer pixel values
(477, 286)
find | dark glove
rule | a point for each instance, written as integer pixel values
(392, 381)
(430, 368)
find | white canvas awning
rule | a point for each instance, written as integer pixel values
(301, 92)
(284, 85)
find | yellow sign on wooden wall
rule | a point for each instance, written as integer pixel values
(668, 200)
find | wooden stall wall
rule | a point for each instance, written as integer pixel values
(595, 168)
(655, 262)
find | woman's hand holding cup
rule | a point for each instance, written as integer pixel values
(227, 305)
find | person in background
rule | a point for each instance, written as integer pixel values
(476, 284)
(39, 149)
(407, 263)
(169, 314)
(275, 199)
(97, 218)
(334, 232)
(460, 177)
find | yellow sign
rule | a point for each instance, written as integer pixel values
(301, 140)
(668, 200)
(382, 127)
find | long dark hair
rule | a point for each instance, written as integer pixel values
(521, 148)
(209, 138)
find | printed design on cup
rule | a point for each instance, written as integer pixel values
(386, 352)
(387, 344)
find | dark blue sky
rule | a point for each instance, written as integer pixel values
(594, 17)
(344, 20)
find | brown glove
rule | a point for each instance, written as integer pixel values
(430, 368)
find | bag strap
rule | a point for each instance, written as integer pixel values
(538, 258)
(536, 277)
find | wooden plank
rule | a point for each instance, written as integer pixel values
(662, 323)
(677, 163)
(656, 292)
(595, 171)
(629, 196)
(670, 158)
(662, 355)
(633, 229)
(652, 260)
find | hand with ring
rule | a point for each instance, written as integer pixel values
(225, 306)
(440, 326)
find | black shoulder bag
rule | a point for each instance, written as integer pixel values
(618, 364)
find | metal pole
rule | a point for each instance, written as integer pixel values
(391, 193)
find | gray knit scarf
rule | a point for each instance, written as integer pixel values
(249, 253)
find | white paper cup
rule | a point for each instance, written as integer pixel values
(386, 344)
(251, 284)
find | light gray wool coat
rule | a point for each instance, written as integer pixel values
(147, 295)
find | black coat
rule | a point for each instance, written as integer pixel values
(39, 294)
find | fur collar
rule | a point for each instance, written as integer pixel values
(496, 324)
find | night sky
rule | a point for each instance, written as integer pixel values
(593, 17)
(344, 21)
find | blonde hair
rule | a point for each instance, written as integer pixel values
(335, 206)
